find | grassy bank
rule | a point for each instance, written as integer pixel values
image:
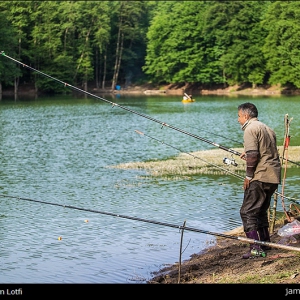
(202, 162)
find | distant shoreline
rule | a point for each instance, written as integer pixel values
(173, 89)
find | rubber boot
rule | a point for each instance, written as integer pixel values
(264, 236)
(255, 250)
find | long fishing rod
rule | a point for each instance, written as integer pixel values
(180, 227)
(125, 108)
(293, 162)
(226, 161)
(229, 139)
(132, 111)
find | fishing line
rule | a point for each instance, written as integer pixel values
(226, 160)
(216, 166)
(224, 137)
(180, 227)
(125, 108)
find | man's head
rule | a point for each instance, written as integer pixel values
(246, 111)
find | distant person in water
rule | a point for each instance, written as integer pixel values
(263, 175)
(187, 97)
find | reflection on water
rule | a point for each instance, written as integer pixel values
(57, 151)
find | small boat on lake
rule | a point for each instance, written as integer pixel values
(187, 98)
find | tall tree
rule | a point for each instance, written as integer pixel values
(156, 62)
(239, 37)
(47, 47)
(282, 44)
(102, 31)
(176, 49)
(8, 41)
(17, 13)
(130, 37)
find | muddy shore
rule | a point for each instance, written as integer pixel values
(222, 263)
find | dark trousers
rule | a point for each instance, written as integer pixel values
(254, 210)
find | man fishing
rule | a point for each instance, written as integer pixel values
(263, 175)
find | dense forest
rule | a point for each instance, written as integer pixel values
(103, 44)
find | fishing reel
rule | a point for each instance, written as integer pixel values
(229, 161)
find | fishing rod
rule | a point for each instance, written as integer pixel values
(229, 139)
(225, 161)
(180, 227)
(293, 162)
(125, 108)
(132, 111)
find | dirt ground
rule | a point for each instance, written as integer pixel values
(223, 263)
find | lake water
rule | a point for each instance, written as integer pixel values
(67, 217)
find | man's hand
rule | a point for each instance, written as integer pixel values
(246, 183)
(243, 156)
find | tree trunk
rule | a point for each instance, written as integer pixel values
(118, 58)
(104, 71)
(16, 81)
(97, 69)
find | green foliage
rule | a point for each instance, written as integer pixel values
(174, 48)
(237, 31)
(131, 25)
(8, 41)
(205, 42)
(282, 44)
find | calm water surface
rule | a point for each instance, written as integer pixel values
(56, 181)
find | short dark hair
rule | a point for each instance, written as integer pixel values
(249, 108)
